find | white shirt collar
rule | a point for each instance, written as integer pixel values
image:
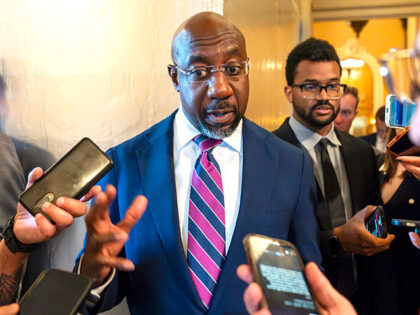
(184, 132)
(308, 138)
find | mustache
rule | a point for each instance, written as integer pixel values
(220, 105)
(323, 103)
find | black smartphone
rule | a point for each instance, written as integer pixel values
(55, 292)
(375, 223)
(402, 145)
(71, 176)
(277, 267)
(398, 113)
(411, 224)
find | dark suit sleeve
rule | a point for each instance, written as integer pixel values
(305, 227)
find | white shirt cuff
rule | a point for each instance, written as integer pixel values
(97, 291)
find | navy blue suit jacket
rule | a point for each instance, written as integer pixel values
(278, 200)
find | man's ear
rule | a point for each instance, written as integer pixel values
(174, 76)
(288, 93)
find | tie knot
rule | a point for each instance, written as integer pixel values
(206, 143)
(323, 143)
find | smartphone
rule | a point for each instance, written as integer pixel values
(407, 224)
(398, 113)
(277, 267)
(375, 223)
(402, 145)
(55, 292)
(72, 176)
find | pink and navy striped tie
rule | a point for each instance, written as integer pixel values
(206, 222)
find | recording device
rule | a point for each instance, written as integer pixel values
(277, 267)
(375, 223)
(411, 224)
(398, 113)
(72, 176)
(402, 145)
(55, 292)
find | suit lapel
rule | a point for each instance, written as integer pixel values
(156, 166)
(286, 133)
(254, 200)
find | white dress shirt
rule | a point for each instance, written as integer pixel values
(229, 156)
(309, 140)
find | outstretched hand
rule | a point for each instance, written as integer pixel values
(105, 240)
(30, 230)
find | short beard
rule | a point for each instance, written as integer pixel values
(214, 132)
(309, 117)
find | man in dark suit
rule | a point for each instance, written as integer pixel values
(378, 139)
(343, 165)
(264, 184)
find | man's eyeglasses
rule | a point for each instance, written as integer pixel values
(231, 70)
(401, 70)
(312, 90)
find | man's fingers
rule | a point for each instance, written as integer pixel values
(321, 287)
(412, 164)
(103, 201)
(61, 218)
(34, 175)
(74, 207)
(12, 309)
(368, 211)
(45, 231)
(91, 193)
(102, 239)
(415, 239)
(133, 214)
(412, 160)
(111, 193)
(99, 209)
(252, 297)
(119, 263)
(376, 244)
(244, 273)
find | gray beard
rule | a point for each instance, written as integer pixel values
(217, 133)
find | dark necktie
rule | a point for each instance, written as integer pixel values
(206, 221)
(344, 281)
(332, 190)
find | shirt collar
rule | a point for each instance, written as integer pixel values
(308, 138)
(184, 132)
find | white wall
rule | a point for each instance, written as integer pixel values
(92, 68)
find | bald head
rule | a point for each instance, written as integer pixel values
(210, 73)
(204, 28)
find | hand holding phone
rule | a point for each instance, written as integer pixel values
(72, 176)
(329, 300)
(376, 224)
(277, 267)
